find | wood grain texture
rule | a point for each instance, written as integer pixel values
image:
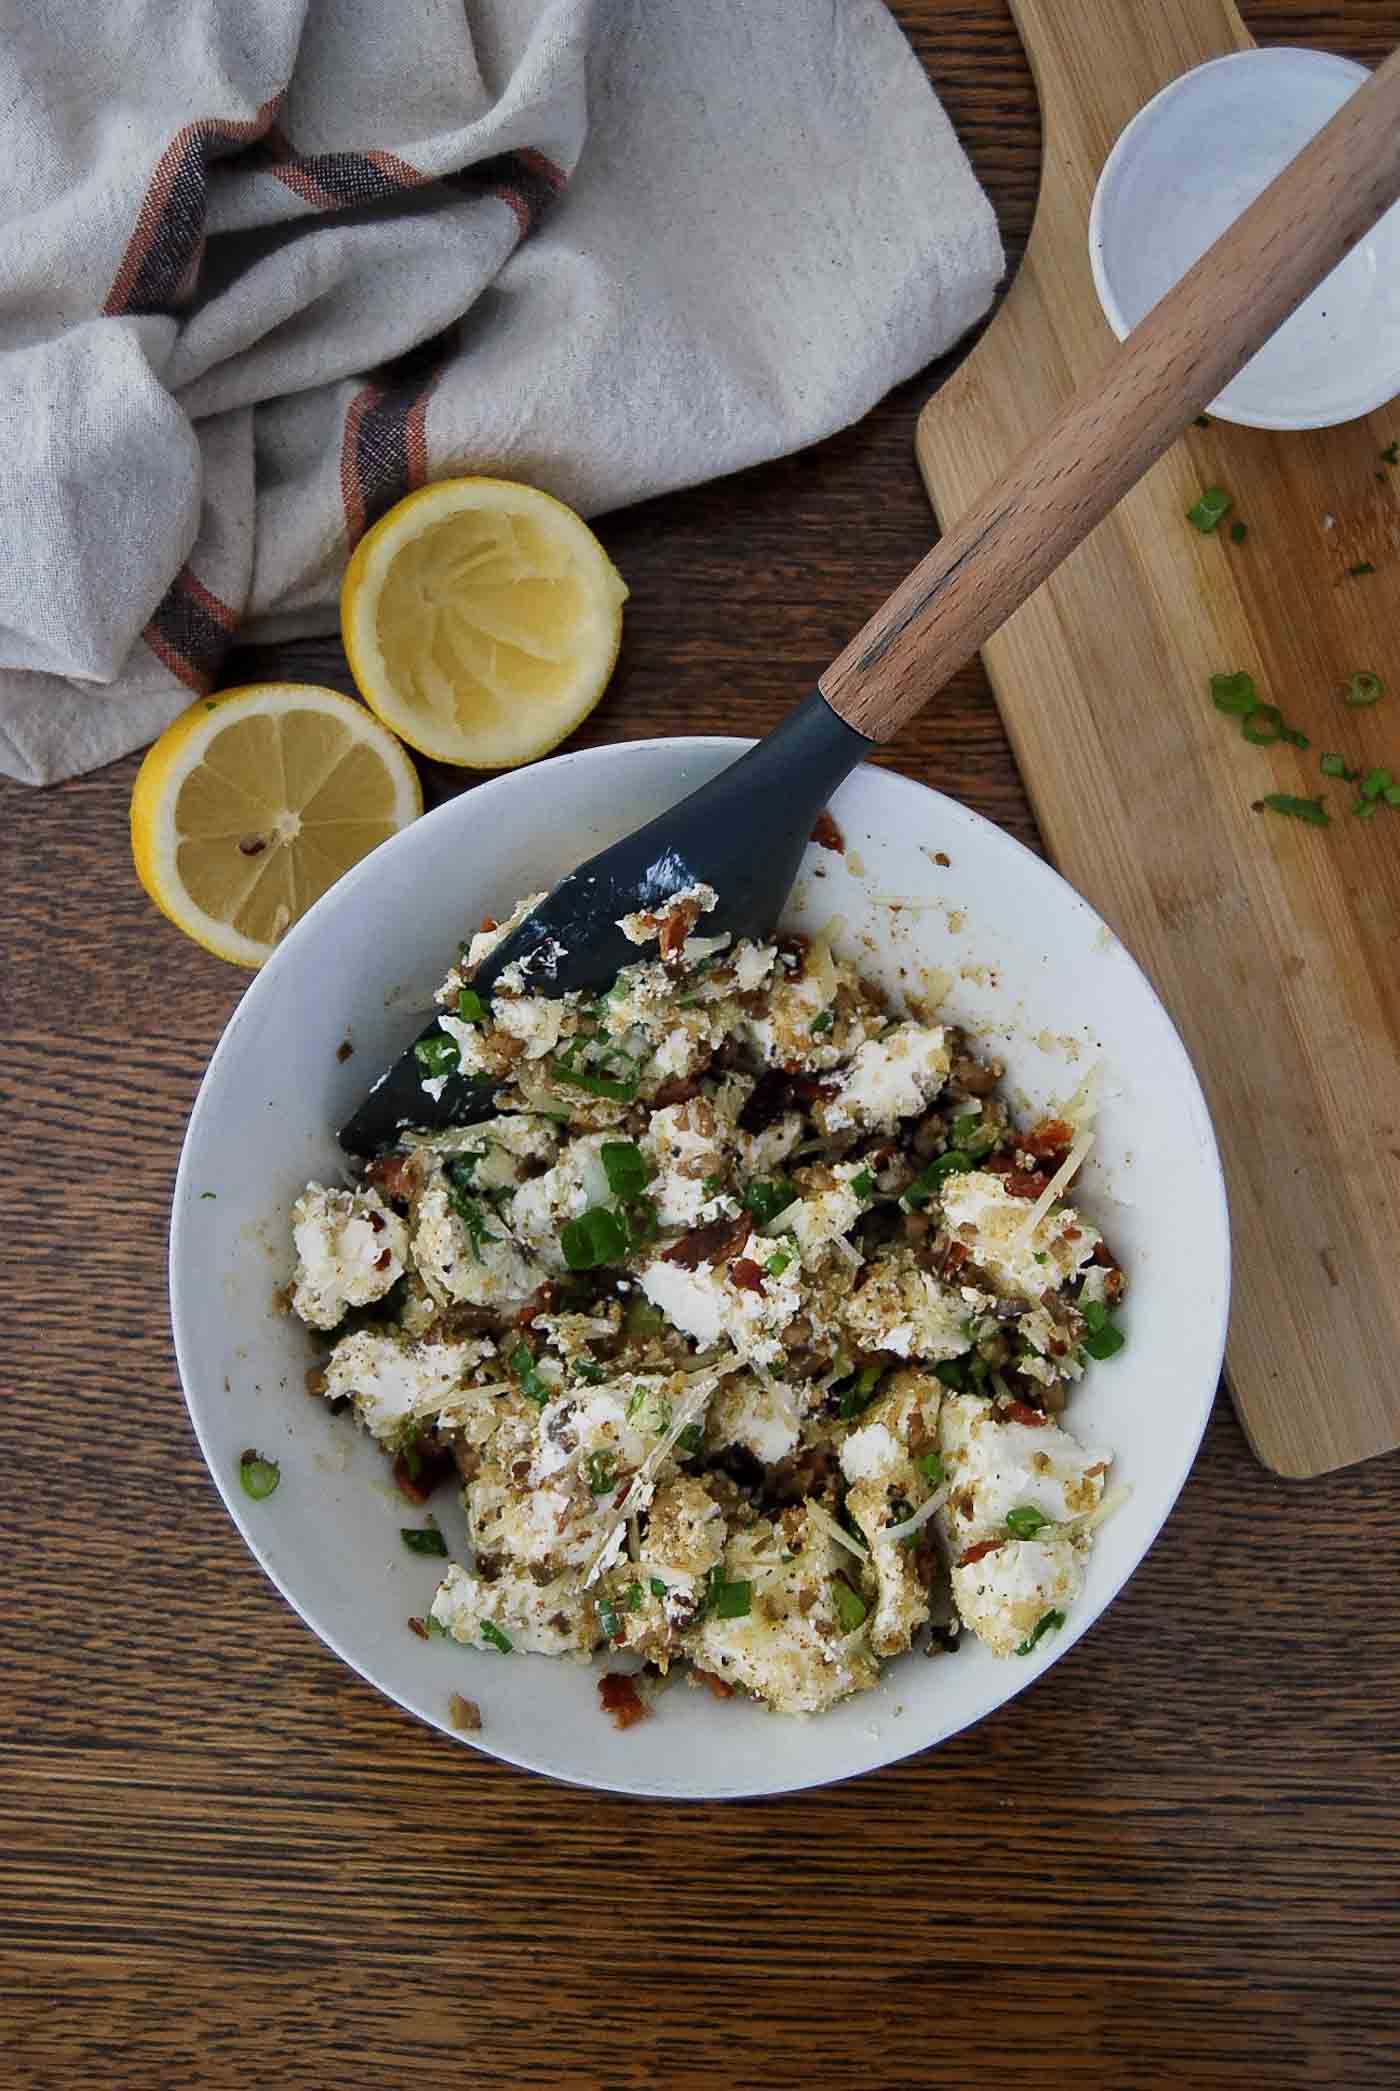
(227, 1863)
(1273, 943)
(1127, 408)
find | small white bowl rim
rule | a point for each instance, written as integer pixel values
(1274, 56)
(264, 984)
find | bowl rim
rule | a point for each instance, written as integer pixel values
(1276, 57)
(1082, 1618)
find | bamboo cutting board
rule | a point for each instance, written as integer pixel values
(1275, 945)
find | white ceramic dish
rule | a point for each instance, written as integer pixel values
(1023, 960)
(1185, 168)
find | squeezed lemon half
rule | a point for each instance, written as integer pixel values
(253, 802)
(482, 620)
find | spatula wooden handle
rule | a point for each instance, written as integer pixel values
(1182, 355)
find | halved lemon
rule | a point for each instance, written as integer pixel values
(481, 619)
(253, 802)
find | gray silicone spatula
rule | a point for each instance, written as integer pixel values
(745, 831)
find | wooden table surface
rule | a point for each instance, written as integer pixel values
(228, 1862)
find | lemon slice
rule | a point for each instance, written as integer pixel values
(482, 620)
(252, 803)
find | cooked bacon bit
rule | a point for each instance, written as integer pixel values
(252, 845)
(1104, 1255)
(383, 1259)
(777, 1090)
(418, 1627)
(1050, 1141)
(767, 1102)
(792, 950)
(679, 1089)
(315, 1380)
(827, 834)
(1025, 1183)
(376, 1221)
(977, 1077)
(953, 1259)
(940, 856)
(975, 1553)
(344, 1050)
(434, 1465)
(1020, 1412)
(466, 1714)
(711, 1244)
(540, 1302)
(746, 1274)
(390, 1174)
(622, 1700)
(676, 922)
(717, 1685)
(489, 922)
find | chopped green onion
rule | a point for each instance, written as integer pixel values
(1375, 783)
(532, 1385)
(470, 1007)
(931, 1467)
(634, 1597)
(1202, 421)
(1295, 739)
(1238, 533)
(259, 1476)
(625, 1168)
(953, 1163)
(1263, 725)
(491, 1633)
(1234, 694)
(1105, 1342)
(1336, 766)
(690, 1440)
(424, 1539)
(1365, 809)
(1094, 1313)
(588, 1369)
(851, 1608)
(730, 1600)
(863, 1183)
(766, 1200)
(777, 1264)
(1043, 1626)
(658, 1588)
(1362, 566)
(951, 1373)
(981, 1143)
(711, 1184)
(596, 1236)
(440, 1055)
(1391, 795)
(208, 1194)
(823, 1023)
(1213, 506)
(1363, 688)
(855, 1399)
(436, 1630)
(1391, 454)
(1312, 810)
(641, 1318)
(1025, 1521)
(620, 1092)
(601, 1470)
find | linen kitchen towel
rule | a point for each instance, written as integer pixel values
(267, 265)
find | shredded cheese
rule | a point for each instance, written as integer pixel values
(837, 1532)
(921, 1517)
(689, 1409)
(1069, 1167)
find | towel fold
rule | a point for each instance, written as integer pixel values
(267, 265)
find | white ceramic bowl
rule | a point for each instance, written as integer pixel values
(1185, 168)
(1024, 961)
